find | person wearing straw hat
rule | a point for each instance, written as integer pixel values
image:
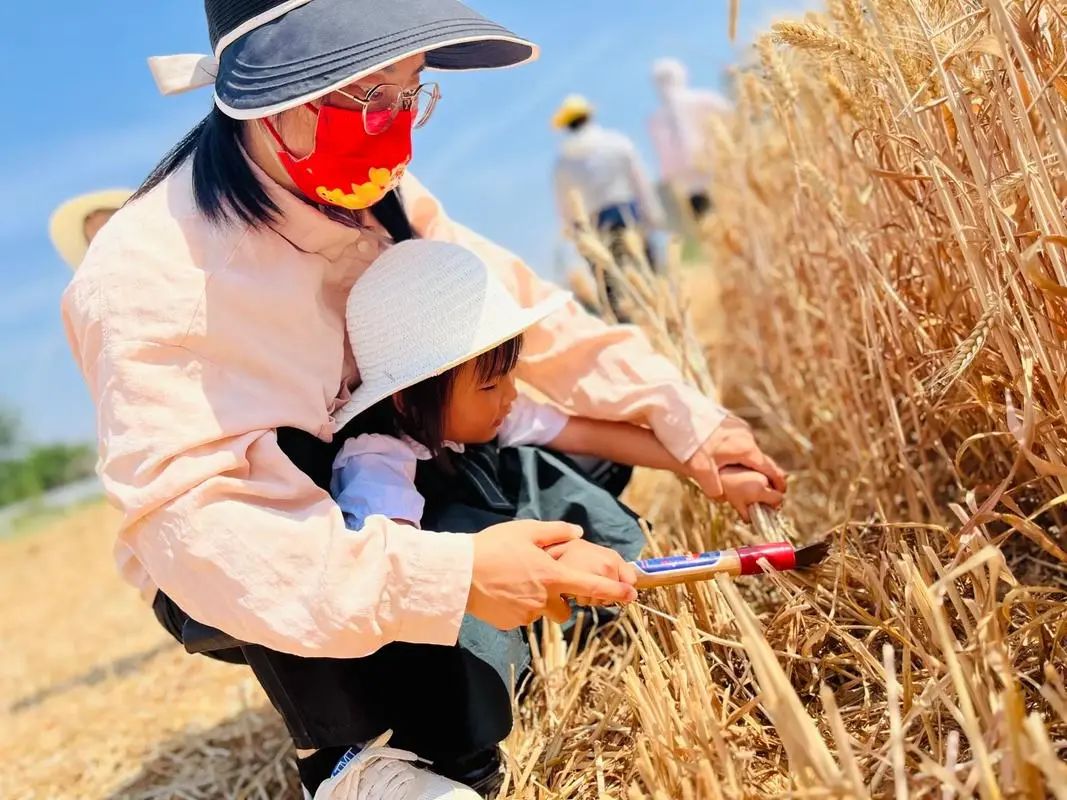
(603, 167)
(208, 319)
(678, 130)
(74, 224)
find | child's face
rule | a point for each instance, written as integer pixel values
(476, 409)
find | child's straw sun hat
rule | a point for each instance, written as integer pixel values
(422, 308)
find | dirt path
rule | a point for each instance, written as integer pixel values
(96, 701)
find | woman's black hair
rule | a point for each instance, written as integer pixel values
(419, 411)
(225, 187)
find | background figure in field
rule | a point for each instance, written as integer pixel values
(74, 224)
(679, 134)
(604, 168)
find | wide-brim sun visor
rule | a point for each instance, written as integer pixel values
(318, 46)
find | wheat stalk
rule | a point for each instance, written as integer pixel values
(776, 70)
(964, 354)
(814, 37)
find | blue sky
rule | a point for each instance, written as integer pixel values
(91, 118)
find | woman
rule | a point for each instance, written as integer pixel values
(603, 167)
(209, 322)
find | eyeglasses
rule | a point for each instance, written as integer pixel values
(381, 104)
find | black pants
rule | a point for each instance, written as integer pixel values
(446, 704)
(613, 223)
(699, 204)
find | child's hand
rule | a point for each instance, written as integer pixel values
(592, 558)
(743, 487)
(730, 445)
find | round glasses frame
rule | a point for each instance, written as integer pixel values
(390, 99)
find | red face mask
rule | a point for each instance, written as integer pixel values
(348, 167)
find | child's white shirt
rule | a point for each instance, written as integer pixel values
(374, 474)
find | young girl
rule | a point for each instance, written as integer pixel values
(438, 435)
(438, 418)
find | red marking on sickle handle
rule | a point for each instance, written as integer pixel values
(780, 555)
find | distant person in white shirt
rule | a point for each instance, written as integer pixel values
(678, 129)
(603, 166)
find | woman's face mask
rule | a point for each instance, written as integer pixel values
(347, 166)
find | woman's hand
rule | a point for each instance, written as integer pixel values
(592, 558)
(732, 445)
(516, 582)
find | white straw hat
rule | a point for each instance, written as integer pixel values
(422, 308)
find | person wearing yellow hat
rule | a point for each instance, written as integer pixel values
(574, 107)
(603, 167)
(74, 224)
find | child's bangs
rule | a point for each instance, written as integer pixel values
(499, 361)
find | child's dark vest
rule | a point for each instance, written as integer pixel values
(489, 484)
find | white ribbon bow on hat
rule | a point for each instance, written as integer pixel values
(183, 73)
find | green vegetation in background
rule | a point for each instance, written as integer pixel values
(27, 471)
(39, 516)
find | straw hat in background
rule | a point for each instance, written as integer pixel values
(74, 223)
(422, 308)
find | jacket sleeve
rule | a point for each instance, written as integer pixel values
(222, 521)
(587, 367)
(374, 475)
(531, 423)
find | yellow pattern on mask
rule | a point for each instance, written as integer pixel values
(363, 195)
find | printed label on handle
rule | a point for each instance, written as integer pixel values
(684, 562)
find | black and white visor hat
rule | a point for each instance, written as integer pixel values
(273, 55)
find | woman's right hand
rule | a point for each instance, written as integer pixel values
(515, 582)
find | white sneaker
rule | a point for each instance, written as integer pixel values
(378, 772)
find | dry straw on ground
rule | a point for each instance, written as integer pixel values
(889, 267)
(887, 304)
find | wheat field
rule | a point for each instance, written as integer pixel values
(885, 299)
